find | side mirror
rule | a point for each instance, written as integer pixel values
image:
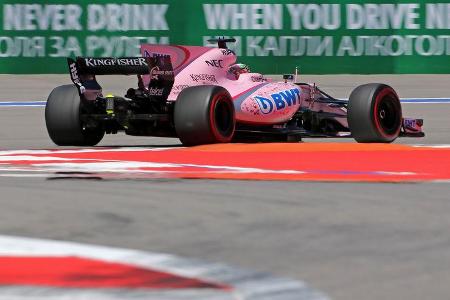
(288, 77)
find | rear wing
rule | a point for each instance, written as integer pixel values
(83, 71)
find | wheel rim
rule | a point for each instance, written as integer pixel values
(223, 119)
(387, 113)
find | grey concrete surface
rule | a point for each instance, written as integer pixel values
(350, 240)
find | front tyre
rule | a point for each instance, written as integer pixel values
(374, 114)
(62, 117)
(204, 115)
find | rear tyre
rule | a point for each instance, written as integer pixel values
(374, 114)
(62, 117)
(204, 115)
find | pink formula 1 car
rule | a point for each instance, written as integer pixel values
(202, 96)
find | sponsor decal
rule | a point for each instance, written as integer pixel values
(259, 78)
(176, 89)
(217, 63)
(203, 77)
(96, 62)
(227, 52)
(75, 78)
(162, 72)
(155, 72)
(147, 54)
(180, 87)
(412, 125)
(155, 91)
(409, 123)
(160, 55)
(278, 101)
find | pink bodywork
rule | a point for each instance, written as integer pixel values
(257, 100)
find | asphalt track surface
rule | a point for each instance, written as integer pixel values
(349, 240)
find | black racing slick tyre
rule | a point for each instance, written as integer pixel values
(62, 117)
(374, 114)
(204, 115)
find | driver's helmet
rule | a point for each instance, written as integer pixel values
(237, 69)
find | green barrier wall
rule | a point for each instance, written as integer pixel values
(273, 36)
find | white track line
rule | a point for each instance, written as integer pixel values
(86, 150)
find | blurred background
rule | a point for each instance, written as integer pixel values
(319, 37)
